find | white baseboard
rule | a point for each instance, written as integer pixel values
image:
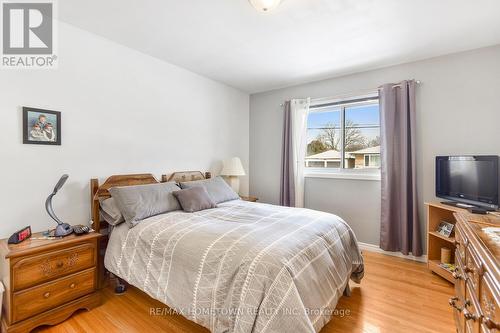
(377, 249)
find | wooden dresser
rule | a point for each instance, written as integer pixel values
(477, 276)
(47, 280)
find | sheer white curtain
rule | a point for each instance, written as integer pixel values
(299, 109)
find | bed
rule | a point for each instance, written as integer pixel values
(240, 267)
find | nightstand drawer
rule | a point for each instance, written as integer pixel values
(49, 295)
(33, 270)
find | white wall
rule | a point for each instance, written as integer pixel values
(357, 201)
(122, 112)
(458, 112)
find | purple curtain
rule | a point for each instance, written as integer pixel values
(287, 183)
(400, 226)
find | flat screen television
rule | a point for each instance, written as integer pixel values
(471, 180)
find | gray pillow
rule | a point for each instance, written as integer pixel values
(216, 187)
(142, 201)
(110, 212)
(194, 199)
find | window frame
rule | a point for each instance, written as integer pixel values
(342, 172)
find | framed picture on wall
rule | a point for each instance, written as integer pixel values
(41, 127)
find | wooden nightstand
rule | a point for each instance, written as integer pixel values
(47, 280)
(249, 198)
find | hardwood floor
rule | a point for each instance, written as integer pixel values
(396, 295)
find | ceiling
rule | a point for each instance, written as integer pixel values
(301, 41)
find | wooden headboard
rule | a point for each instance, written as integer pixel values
(185, 176)
(101, 192)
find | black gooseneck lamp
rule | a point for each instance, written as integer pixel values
(62, 229)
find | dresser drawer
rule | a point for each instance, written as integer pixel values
(489, 305)
(33, 270)
(35, 300)
(459, 300)
(471, 313)
(473, 268)
(461, 241)
(457, 303)
(460, 278)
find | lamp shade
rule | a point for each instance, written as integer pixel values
(233, 167)
(265, 5)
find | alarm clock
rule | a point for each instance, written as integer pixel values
(20, 235)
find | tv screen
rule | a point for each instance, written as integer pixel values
(469, 179)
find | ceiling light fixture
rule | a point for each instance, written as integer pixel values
(265, 5)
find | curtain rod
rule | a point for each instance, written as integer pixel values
(399, 84)
(357, 93)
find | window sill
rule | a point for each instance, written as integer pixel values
(375, 176)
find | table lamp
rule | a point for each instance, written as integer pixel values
(233, 169)
(62, 229)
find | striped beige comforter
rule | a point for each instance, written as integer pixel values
(241, 267)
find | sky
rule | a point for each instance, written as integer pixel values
(360, 115)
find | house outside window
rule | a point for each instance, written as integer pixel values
(344, 135)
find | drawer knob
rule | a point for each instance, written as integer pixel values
(46, 295)
(60, 264)
(72, 286)
(467, 269)
(457, 276)
(453, 303)
(469, 315)
(491, 324)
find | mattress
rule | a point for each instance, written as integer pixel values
(241, 267)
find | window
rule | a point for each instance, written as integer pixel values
(344, 134)
(372, 161)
